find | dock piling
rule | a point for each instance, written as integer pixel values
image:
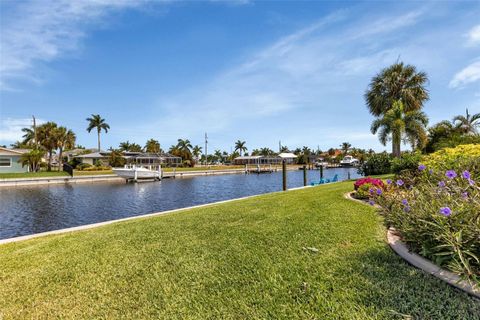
(284, 174)
(304, 175)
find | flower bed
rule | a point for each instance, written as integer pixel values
(436, 209)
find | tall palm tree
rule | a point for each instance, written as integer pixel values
(152, 146)
(66, 140)
(97, 122)
(467, 124)
(397, 125)
(399, 82)
(240, 146)
(345, 146)
(29, 136)
(47, 135)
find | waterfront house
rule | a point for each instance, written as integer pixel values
(9, 160)
(94, 158)
(290, 158)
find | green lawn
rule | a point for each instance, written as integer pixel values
(40, 174)
(240, 260)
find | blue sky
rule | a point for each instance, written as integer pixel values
(255, 71)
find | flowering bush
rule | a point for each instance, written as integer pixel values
(378, 183)
(437, 213)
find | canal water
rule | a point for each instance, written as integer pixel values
(29, 210)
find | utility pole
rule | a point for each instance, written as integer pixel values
(35, 131)
(206, 150)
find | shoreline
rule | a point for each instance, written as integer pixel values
(40, 181)
(143, 216)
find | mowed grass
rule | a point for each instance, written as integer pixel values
(41, 174)
(240, 260)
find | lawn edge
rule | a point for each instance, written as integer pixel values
(147, 215)
(401, 249)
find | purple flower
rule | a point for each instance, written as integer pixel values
(379, 192)
(422, 167)
(451, 174)
(441, 184)
(371, 202)
(446, 211)
(406, 209)
(370, 190)
(389, 181)
(466, 175)
(465, 195)
(471, 182)
(400, 183)
(430, 171)
(405, 202)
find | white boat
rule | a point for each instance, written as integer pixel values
(319, 164)
(136, 173)
(349, 161)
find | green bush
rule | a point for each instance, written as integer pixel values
(83, 166)
(379, 163)
(437, 210)
(96, 168)
(407, 161)
(363, 192)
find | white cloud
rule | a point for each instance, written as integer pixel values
(11, 128)
(467, 75)
(473, 36)
(40, 31)
(305, 69)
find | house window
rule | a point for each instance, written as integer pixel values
(5, 162)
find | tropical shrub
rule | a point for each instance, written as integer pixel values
(407, 161)
(379, 163)
(83, 166)
(368, 180)
(437, 213)
(458, 157)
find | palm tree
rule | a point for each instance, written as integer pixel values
(467, 124)
(66, 140)
(29, 136)
(266, 152)
(196, 151)
(153, 146)
(47, 135)
(306, 151)
(397, 124)
(398, 82)
(184, 145)
(284, 149)
(116, 159)
(240, 146)
(96, 121)
(32, 159)
(124, 146)
(218, 155)
(345, 147)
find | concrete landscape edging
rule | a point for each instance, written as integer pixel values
(400, 248)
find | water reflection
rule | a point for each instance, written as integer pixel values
(27, 210)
